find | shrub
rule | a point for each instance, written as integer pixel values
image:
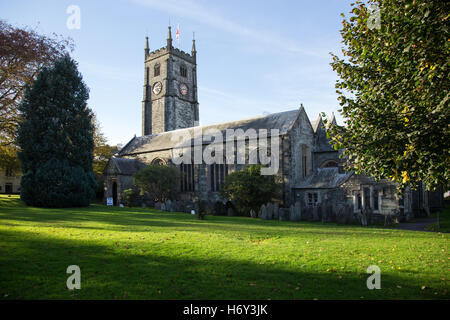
(130, 196)
(159, 181)
(248, 189)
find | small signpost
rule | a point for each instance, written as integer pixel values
(109, 201)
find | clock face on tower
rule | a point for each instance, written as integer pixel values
(183, 89)
(157, 87)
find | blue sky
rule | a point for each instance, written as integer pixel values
(254, 57)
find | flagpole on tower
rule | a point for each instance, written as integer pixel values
(178, 35)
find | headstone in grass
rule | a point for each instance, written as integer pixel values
(158, 206)
(263, 212)
(169, 205)
(345, 215)
(292, 213)
(163, 207)
(298, 211)
(188, 207)
(276, 208)
(325, 213)
(269, 209)
(340, 216)
(252, 213)
(319, 212)
(315, 214)
(283, 214)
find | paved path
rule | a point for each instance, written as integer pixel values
(417, 225)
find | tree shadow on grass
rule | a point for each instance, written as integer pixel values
(146, 220)
(33, 266)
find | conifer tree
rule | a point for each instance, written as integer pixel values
(56, 139)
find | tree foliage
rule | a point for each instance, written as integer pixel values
(394, 92)
(56, 139)
(130, 196)
(159, 181)
(23, 52)
(102, 153)
(248, 189)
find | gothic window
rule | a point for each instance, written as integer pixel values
(357, 201)
(183, 71)
(147, 76)
(367, 198)
(159, 161)
(304, 160)
(376, 205)
(187, 177)
(8, 188)
(313, 199)
(157, 70)
(218, 172)
(9, 172)
(329, 164)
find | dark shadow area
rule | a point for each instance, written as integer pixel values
(34, 267)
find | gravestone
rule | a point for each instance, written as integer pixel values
(283, 214)
(292, 213)
(263, 212)
(325, 213)
(175, 206)
(307, 214)
(315, 214)
(319, 212)
(169, 205)
(276, 208)
(143, 205)
(158, 206)
(269, 209)
(298, 211)
(252, 213)
(188, 207)
(163, 206)
(345, 215)
(219, 209)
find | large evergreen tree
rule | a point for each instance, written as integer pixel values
(56, 139)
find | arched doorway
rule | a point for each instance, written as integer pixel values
(114, 193)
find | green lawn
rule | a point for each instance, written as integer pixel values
(146, 254)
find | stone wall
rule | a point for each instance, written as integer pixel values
(300, 135)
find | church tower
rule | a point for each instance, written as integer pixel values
(170, 89)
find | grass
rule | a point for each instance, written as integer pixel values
(444, 221)
(133, 253)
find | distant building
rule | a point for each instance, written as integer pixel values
(9, 180)
(310, 169)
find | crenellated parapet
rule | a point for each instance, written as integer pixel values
(174, 51)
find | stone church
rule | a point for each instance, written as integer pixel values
(309, 168)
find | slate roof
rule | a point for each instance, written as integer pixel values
(324, 178)
(127, 166)
(167, 140)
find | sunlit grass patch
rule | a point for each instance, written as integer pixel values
(133, 253)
